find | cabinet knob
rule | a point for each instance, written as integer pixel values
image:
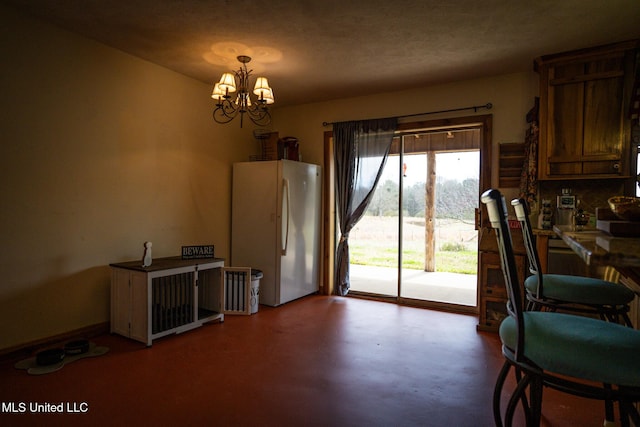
(616, 166)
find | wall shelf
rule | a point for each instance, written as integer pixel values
(511, 160)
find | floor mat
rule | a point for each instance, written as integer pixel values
(32, 367)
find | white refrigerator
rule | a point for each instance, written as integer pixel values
(275, 226)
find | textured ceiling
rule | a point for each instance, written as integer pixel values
(320, 50)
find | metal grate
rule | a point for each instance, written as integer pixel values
(172, 301)
(237, 290)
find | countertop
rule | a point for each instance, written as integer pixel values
(596, 247)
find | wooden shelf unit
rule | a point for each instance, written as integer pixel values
(511, 161)
(492, 294)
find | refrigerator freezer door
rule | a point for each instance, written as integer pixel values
(299, 267)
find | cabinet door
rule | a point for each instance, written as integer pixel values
(492, 277)
(584, 128)
(604, 117)
(492, 312)
(129, 304)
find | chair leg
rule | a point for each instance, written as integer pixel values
(518, 394)
(627, 320)
(497, 393)
(523, 398)
(628, 412)
(624, 415)
(535, 393)
(609, 413)
(633, 414)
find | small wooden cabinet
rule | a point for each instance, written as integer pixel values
(169, 297)
(492, 293)
(584, 103)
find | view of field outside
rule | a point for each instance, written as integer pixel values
(374, 240)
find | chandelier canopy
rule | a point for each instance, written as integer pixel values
(238, 81)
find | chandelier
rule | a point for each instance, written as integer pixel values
(238, 81)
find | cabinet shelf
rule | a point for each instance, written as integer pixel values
(511, 161)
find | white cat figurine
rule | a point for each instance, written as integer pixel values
(146, 258)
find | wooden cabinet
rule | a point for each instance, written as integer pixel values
(584, 103)
(170, 296)
(492, 293)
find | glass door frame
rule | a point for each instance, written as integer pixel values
(327, 279)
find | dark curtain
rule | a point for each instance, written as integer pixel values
(361, 150)
(634, 105)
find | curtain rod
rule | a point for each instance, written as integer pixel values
(475, 108)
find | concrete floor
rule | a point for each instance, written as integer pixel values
(318, 361)
(449, 288)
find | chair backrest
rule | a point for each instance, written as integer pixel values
(497, 210)
(522, 214)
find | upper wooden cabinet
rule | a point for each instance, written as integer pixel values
(584, 103)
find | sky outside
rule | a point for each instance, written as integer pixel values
(458, 166)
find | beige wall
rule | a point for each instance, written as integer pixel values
(512, 96)
(102, 151)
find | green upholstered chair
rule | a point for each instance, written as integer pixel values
(574, 354)
(576, 294)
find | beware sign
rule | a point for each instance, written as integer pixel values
(197, 252)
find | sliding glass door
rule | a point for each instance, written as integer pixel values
(439, 246)
(374, 242)
(417, 241)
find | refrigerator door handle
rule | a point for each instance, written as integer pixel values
(285, 216)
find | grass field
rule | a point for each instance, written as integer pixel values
(374, 242)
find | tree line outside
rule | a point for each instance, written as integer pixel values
(454, 199)
(374, 242)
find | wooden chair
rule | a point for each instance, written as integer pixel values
(578, 355)
(610, 301)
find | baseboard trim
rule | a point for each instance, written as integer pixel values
(29, 349)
